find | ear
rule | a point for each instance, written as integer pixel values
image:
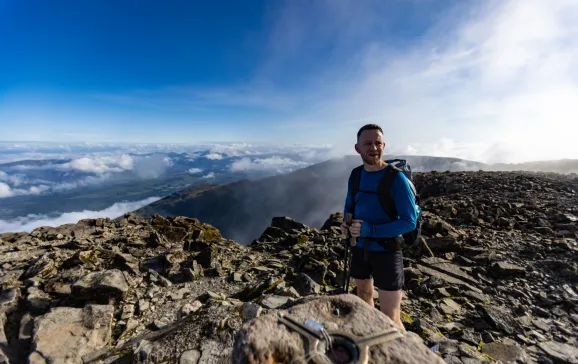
(357, 148)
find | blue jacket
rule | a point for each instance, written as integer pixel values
(376, 223)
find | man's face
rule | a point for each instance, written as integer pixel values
(370, 146)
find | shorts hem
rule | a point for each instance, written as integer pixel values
(390, 289)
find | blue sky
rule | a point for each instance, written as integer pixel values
(443, 77)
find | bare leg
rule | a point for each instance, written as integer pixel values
(390, 303)
(365, 290)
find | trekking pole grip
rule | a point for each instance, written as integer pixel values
(349, 220)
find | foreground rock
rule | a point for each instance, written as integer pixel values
(260, 340)
(501, 284)
(65, 334)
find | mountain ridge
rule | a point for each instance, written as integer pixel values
(243, 209)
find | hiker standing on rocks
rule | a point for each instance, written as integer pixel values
(377, 257)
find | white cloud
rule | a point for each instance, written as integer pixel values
(100, 164)
(195, 170)
(209, 175)
(5, 190)
(232, 150)
(31, 222)
(36, 190)
(441, 148)
(96, 163)
(45, 187)
(107, 162)
(276, 164)
(214, 156)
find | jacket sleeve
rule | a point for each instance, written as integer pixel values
(405, 203)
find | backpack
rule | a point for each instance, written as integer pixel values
(394, 167)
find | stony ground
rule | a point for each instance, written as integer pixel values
(494, 279)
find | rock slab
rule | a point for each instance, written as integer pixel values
(101, 285)
(559, 352)
(65, 334)
(505, 352)
(265, 340)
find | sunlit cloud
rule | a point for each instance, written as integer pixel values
(31, 222)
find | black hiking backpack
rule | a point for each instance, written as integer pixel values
(394, 167)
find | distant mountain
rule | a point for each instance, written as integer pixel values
(554, 166)
(243, 209)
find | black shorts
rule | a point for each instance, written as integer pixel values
(386, 269)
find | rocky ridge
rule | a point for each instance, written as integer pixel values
(494, 279)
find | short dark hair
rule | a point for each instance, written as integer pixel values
(369, 127)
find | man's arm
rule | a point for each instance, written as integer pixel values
(405, 203)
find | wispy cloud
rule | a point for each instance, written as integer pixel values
(272, 164)
(100, 164)
(31, 222)
(492, 81)
(202, 100)
(480, 76)
(7, 191)
(145, 166)
(14, 180)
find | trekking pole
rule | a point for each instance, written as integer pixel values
(347, 263)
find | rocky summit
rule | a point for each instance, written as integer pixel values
(492, 279)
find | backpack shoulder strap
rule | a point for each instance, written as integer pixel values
(354, 180)
(384, 190)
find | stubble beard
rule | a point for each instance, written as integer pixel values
(371, 160)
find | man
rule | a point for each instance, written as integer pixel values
(381, 264)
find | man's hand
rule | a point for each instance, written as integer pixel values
(344, 227)
(355, 228)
